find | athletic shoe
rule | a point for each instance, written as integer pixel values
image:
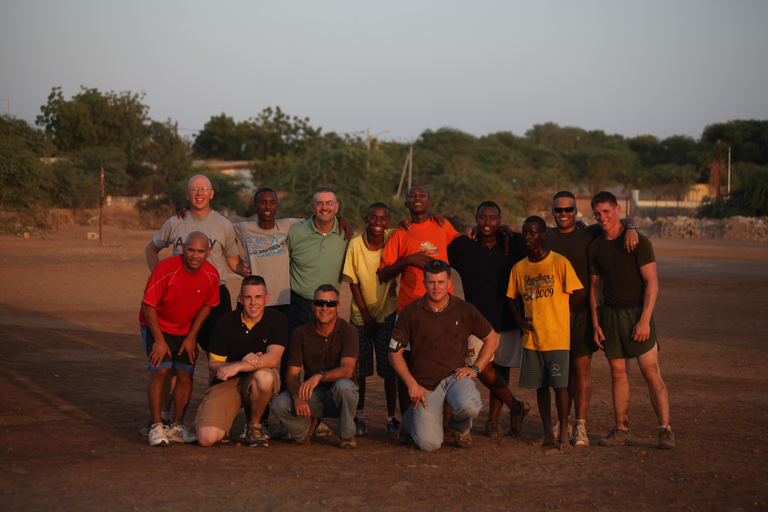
(255, 436)
(157, 435)
(405, 437)
(493, 430)
(556, 431)
(347, 444)
(265, 429)
(244, 433)
(393, 426)
(280, 433)
(617, 437)
(323, 430)
(144, 431)
(462, 440)
(516, 420)
(180, 433)
(666, 438)
(361, 427)
(580, 437)
(227, 436)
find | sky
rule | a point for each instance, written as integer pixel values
(662, 68)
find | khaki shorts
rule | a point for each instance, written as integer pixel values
(223, 400)
(508, 354)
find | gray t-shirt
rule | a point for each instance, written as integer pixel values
(267, 254)
(217, 228)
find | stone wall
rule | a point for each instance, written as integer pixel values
(744, 229)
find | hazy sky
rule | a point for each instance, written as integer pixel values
(644, 67)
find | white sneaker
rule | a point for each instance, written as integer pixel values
(157, 435)
(180, 433)
(580, 437)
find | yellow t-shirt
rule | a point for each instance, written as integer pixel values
(545, 287)
(361, 267)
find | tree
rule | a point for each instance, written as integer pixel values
(222, 138)
(92, 118)
(747, 139)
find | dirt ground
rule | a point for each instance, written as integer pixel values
(74, 394)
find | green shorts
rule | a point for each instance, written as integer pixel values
(542, 369)
(582, 335)
(617, 323)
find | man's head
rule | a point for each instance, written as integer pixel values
(324, 204)
(200, 193)
(326, 305)
(195, 251)
(265, 204)
(253, 297)
(437, 280)
(606, 210)
(534, 232)
(377, 218)
(417, 201)
(564, 210)
(488, 217)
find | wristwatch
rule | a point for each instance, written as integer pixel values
(631, 226)
(477, 370)
(321, 373)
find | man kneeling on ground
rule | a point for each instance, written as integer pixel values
(245, 351)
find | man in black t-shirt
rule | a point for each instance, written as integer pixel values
(243, 357)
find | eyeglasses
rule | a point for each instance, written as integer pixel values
(199, 190)
(570, 209)
(437, 265)
(320, 204)
(327, 303)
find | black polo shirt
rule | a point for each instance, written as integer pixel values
(232, 339)
(485, 275)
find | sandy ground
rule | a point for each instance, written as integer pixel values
(74, 394)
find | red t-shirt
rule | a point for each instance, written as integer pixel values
(426, 237)
(178, 295)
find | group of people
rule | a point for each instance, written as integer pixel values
(285, 349)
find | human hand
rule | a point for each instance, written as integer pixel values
(159, 351)
(182, 213)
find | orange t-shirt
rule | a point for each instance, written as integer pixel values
(426, 237)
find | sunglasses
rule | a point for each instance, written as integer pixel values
(566, 210)
(327, 303)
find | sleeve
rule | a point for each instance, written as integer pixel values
(450, 233)
(217, 347)
(571, 281)
(512, 287)
(644, 252)
(230, 245)
(402, 331)
(296, 351)
(391, 253)
(240, 234)
(156, 286)
(279, 334)
(593, 230)
(455, 254)
(350, 344)
(162, 238)
(481, 327)
(594, 266)
(212, 299)
(349, 274)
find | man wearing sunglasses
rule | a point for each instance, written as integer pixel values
(436, 326)
(327, 348)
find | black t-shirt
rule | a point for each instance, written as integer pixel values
(573, 246)
(485, 275)
(623, 284)
(232, 339)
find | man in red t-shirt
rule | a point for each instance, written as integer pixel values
(178, 297)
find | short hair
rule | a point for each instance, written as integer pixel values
(490, 204)
(262, 190)
(378, 205)
(604, 197)
(437, 266)
(323, 189)
(564, 193)
(418, 186)
(535, 219)
(326, 288)
(253, 281)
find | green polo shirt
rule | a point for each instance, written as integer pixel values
(315, 258)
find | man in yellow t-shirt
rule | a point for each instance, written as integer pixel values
(551, 292)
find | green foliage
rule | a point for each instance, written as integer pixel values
(25, 182)
(598, 169)
(750, 200)
(92, 118)
(748, 140)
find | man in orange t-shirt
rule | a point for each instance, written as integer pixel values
(407, 252)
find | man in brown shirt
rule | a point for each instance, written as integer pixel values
(327, 348)
(435, 328)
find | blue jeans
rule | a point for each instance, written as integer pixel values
(425, 425)
(337, 401)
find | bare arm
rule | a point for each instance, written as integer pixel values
(224, 370)
(490, 345)
(523, 323)
(576, 298)
(595, 301)
(368, 321)
(417, 259)
(151, 252)
(642, 330)
(630, 238)
(190, 342)
(292, 384)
